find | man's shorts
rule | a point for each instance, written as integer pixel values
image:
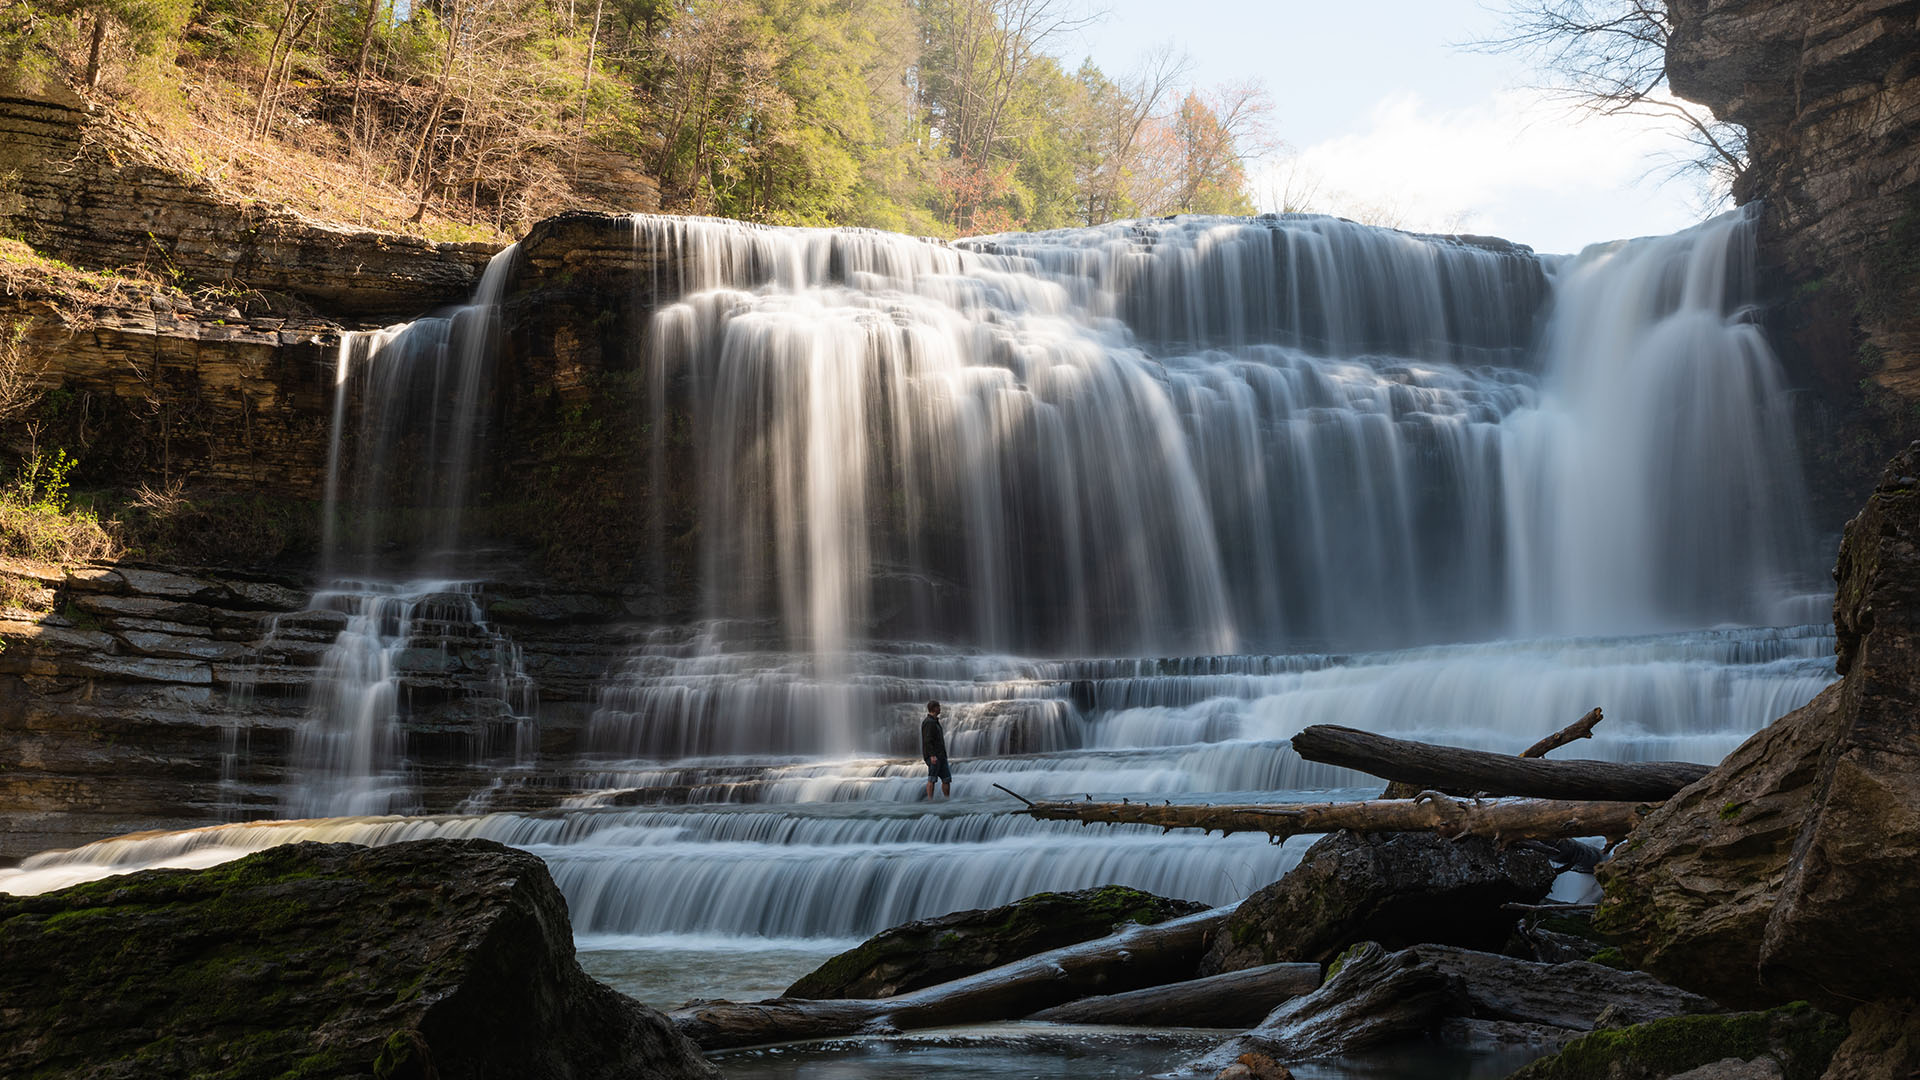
(939, 771)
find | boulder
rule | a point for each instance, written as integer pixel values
(1398, 889)
(1793, 1042)
(1883, 1040)
(1792, 870)
(439, 958)
(931, 951)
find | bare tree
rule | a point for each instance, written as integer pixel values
(1609, 58)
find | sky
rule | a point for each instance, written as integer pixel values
(1383, 111)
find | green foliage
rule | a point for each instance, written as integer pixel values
(39, 521)
(927, 116)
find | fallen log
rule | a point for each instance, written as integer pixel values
(1234, 999)
(1452, 767)
(1579, 729)
(1504, 820)
(1378, 997)
(1136, 957)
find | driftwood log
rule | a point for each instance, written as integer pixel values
(1136, 957)
(1379, 997)
(1504, 820)
(1451, 767)
(1579, 729)
(1233, 999)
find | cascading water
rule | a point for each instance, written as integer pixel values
(1192, 436)
(1138, 502)
(396, 492)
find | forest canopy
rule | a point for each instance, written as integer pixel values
(938, 117)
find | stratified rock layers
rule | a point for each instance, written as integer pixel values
(436, 958)
(1830, 96)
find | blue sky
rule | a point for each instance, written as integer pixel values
(1383, 112)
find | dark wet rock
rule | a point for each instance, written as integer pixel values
(1793, 869)
(1372, 997)
(937, 950)
(436, 958)
(1883, 1040)
(1794, 1042)
(1397, 889)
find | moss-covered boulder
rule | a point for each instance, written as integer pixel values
(1398, 889)
(1794, 1042)
(440, 958)
(933, 951)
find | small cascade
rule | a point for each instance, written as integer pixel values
(410, 417)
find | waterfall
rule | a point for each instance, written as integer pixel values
(1136, 502)
(408, 422)
(1195, 435)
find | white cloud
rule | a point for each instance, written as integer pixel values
(1516, 164)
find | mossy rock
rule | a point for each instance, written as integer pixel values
(933, 951)
(1398, 889)
(1799, 1037)
(438, 958)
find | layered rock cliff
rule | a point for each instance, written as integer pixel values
(1829, 93)
(95, 191)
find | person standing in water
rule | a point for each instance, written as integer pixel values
(933, 747)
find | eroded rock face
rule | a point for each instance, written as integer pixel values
(435, 958)
(932, 951)
(1793, 869)
(1828, 93)
(1398, 889)
(1883, 1040)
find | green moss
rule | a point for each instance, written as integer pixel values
(404, 1055)
(1730, 811)
(1801, 1037)
(1611, 957)
(1341, 960)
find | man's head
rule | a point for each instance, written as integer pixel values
(933, 708)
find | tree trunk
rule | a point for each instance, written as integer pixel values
(1455, 768)
(1234, 999)
(593, 45)
(273, 62)
(1136, 957)
(360, 68)
(93, 52)
(1579, 729)
(1505, 821)
(277, 84)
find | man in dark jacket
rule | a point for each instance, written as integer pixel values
(933, 747)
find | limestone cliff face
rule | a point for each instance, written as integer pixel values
(1829, 92)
